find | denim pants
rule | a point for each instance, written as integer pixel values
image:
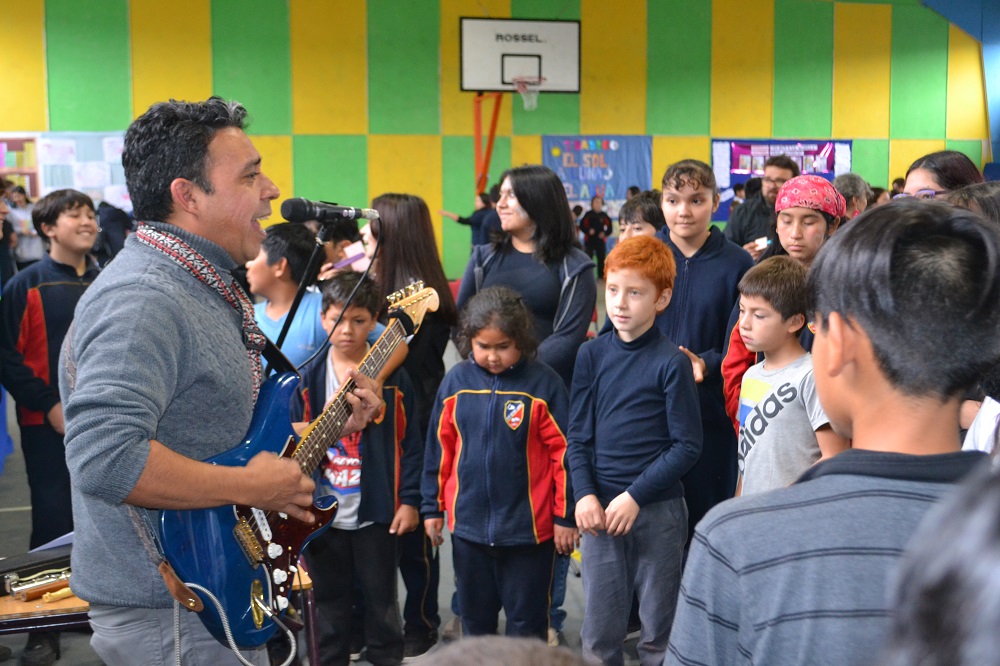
(646, 561)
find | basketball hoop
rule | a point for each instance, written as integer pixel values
(528, 88)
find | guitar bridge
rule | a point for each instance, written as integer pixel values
(248, 542)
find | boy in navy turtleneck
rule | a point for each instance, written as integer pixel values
(635, 430)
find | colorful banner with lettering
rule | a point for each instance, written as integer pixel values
(739, 160)
(600, 165)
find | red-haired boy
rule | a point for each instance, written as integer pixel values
(635, 430)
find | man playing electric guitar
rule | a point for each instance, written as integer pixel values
(161, 371)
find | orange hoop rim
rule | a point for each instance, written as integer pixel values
(527, 83)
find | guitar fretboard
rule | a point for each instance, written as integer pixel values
(330, 423)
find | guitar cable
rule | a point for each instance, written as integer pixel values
(225, 626)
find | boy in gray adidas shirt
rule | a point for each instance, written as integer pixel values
(783, 429)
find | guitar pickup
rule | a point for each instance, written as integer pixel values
(248, 542)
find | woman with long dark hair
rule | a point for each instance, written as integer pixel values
(539, 257)
(408, 253)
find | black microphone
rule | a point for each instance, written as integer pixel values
(303, 210)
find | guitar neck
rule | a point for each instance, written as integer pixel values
(328, 427)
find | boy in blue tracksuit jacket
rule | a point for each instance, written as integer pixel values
(709, 269)
(38, 305)
(375, 476)
(495, 461)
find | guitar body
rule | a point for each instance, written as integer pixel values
(239, 553)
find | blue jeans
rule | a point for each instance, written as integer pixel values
(646, 561)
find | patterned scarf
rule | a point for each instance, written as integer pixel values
(192, 261)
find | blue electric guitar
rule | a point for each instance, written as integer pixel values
(245, 556)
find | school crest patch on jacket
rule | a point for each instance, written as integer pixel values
(513, 413)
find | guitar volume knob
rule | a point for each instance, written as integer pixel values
(279, 576)
(273, 550)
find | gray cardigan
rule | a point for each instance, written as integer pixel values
(153, 353)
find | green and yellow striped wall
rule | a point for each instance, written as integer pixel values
(352, 98)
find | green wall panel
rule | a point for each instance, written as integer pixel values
(89, 67)
(251, 61)
(404, 89)
(870, 160)
(974, 149)
(557, 113)
(331, 168)
(458, 190)
(679, 61)
(803, 69)
(918, 100)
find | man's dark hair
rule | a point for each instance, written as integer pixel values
(495, 193)
(783, 162)
(643, 207)
(48, 209)
(922, 280)
(781, 281)
(171, 141)
(484, 199)
(337, 290)
(292, 242)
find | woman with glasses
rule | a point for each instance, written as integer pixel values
(939, 172)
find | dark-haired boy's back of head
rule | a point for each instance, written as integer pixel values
(337, 290)
(291, 242)
(922, 280)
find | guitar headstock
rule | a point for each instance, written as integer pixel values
(415, 301)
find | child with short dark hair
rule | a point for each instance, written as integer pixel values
(495, 462)
(905, 301)
(635, 430)
(783, 429)
(375, 476)
(38, 305)
(274, 275)
(641, 215)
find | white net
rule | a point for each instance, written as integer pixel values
(528, 88)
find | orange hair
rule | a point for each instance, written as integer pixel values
(647, 255)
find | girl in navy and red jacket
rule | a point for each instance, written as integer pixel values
(495, 460)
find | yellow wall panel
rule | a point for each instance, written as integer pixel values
(409, 164)
(862, 44)
(24, 102)
(742, 68)
(276, 163)
(904, 152)
(456, 106)
(171, 51)
(329, 57)
(613, 67)
(966, 94)
(670, 149)
(525, 149)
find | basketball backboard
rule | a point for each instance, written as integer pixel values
(494, 52)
